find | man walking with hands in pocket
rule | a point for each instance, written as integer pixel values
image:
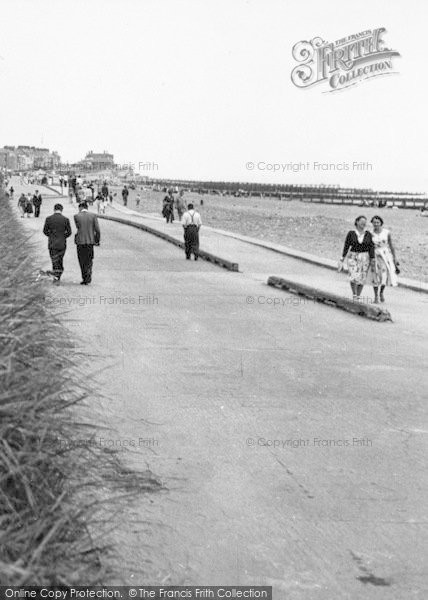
(191, 223)
(57, 228)
(88, 235)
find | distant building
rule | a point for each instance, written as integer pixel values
(97, 161)
(8, 159)
(25, 158)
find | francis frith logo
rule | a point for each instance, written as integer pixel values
(342, 63)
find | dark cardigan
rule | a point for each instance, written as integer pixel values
(351, 243)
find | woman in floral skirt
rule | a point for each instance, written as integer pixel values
(359, 250)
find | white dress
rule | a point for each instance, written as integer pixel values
(385, 266)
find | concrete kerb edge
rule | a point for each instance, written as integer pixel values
(365, 310)
(226, 264)
(53, 190)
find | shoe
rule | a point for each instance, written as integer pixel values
(187, 257)
(382, 297)
(196, 258)
(83, 283)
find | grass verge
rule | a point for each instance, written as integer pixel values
(57, 497)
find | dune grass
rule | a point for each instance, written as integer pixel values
(57, 496)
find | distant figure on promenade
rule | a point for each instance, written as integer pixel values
(88, 235)
(89, 194)
(104, 190)
(91, 187)
(386, 264)
(110, 197)
(58, 229)
(359, 249)
(191, 223)
(180, 204)
(98, 201)
(81, 194)
(138, 200)
(168, 207)
(125, 194)
(101, 204)
(11, 191)
(37, 203)
(22, 201)
(28, 210)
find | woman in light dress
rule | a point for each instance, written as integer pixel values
(386, 265)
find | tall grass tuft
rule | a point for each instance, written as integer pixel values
(57, 495)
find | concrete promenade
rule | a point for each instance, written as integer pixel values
(261, 261)
(290, 436)
(405, 282)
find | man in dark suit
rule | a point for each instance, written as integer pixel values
(58, 229)
(88, 235)
(37, 202)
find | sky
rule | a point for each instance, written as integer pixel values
(193, 89)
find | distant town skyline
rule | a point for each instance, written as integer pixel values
(200, 91)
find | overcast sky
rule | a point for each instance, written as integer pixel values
(201, 88)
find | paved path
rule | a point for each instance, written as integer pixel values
(259, 263)
(215, 382)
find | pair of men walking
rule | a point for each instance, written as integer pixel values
(57, 228)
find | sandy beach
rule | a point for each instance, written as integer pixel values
(316, 228)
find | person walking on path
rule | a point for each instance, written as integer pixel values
(125, 194)
(22, 201)
(104, 190)
(88, 235)
(11, 191)
(98, 201)
(37, 203)
(137, 201)
(386, 264)
(191, 223)
(28, 209)
(180, 204)
(92, 189)
(359, 250)
(168, 207)
(58, 229)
